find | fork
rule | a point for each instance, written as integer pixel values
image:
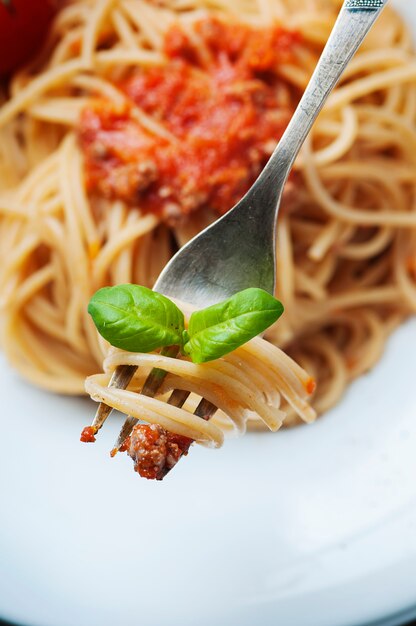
(238, 250)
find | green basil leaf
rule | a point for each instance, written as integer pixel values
(135, 318)
(223, 327)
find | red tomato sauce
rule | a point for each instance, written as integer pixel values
(310, 386)
(225, 112)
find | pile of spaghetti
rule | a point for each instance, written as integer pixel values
(143, 120)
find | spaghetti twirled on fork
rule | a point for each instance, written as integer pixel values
(255, 382)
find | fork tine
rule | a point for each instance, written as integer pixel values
(121, 377)
(205, 409)
(178, 398)
(151, 385)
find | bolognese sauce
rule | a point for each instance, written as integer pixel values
(154, 450)
(224, 110)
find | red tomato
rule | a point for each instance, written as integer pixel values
(23, 29)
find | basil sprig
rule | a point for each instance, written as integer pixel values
(224, 327)
(135, 318)
(138, 319)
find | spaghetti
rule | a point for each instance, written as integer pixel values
(257, 381)
(347, 234)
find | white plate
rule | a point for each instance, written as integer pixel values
(314, 526)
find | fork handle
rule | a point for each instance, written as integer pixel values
(354, 21)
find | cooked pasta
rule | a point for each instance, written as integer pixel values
(346, 244)
(248, 383)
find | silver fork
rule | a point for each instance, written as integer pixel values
(238, 250)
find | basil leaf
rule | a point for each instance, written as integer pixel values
(223, 327)
(136, 318)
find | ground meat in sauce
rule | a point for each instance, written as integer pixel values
(154, 450)
(88, 435)
(226, 120)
